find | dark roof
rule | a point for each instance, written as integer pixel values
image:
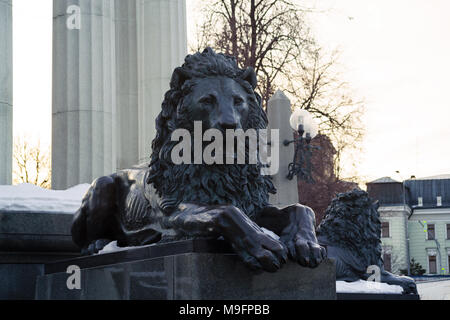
(428, 190)
(438, 177)
(390, 192)
(385, 180)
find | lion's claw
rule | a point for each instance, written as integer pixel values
(306, 253)
(262, 252)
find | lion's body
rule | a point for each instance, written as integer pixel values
(168, 201)
(131, 218)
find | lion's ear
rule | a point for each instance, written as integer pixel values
(179, 76)
(249, 75)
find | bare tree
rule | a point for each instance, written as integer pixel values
(330, 100)
(273, 37)
(31, 163)
(268, 35)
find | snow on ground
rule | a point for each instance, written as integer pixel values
(362, 286)
(434, 290)
(28, 197)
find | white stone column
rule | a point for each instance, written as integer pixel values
(279, 113)
(84, 100)
(6, 110)
(162, 46)
(126, 84)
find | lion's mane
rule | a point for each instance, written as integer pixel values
(240, 185)
(352, 223)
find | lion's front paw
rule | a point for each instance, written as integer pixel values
(409, 287)
(306, 253)
(408, 284)
(261, 252)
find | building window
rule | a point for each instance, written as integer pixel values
(432, 264)
(430, 232)
(385, 229)
(448, 234)
(439, 201)
(387, 262)
(420, 201)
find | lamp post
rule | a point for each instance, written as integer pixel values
(306, 127)
(408, 265)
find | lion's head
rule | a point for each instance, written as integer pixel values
(210, 88)
(353, 222)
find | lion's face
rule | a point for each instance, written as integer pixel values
(218, 102)
(210, 88)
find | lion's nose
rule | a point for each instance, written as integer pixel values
(230, 124)
(228, 119)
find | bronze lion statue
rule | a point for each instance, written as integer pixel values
(167, 202)
(351, 232)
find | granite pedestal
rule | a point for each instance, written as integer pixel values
(185, 270)
(28, 240)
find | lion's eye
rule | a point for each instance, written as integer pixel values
(206, 100)
(238, 101)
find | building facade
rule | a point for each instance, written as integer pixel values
(415, 217)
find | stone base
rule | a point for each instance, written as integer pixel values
(185, 270)
(29, 240)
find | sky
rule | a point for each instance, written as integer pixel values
(32, 69)
(396, 56)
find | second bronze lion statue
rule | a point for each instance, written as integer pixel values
(165, 202)
(351, 230)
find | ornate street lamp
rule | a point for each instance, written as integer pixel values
(305, 125)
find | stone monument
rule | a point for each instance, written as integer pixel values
(279, 112)
(196, 218)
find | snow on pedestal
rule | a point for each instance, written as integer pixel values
(362, 286)
(30, 198)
